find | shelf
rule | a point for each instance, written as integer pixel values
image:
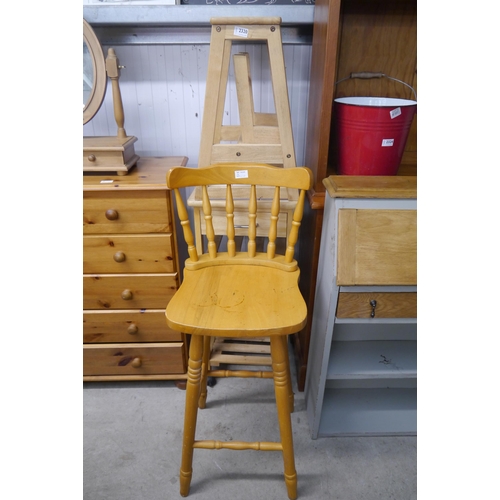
(369, 412)
(185, 24)
(348, 329)
(373, 359)
(192, 15)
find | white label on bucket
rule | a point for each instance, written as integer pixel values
(241, 174)
(395, 112)
(239, 31)
(387, 142)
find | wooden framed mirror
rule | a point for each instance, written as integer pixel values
(103, 153)
(94, 73)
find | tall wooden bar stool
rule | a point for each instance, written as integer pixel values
(239, 295)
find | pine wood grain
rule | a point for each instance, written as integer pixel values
(139, 253)
(133, 359)
(106, 291)
(388, 305)
(127, 325)
(377, 247)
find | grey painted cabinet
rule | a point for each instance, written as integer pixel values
(362, 366)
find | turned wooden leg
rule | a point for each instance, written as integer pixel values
(279, 355)
(202, 403)
(191, 412)
(291, 396)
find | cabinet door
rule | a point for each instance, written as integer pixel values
(377, 247)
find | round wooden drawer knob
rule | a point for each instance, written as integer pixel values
(119, 257)
(111, 214)
(91, 158)
(127, 295)
(136, 362)
(132, 329)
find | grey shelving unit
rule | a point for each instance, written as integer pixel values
(362, 371)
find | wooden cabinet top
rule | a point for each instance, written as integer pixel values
(358, 186)
(149, 173)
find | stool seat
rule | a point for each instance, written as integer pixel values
(238, 301)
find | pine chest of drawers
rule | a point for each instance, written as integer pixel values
(130, 272)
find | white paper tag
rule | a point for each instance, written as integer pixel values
(107, 181)
(387, 142)
(239, 31)
(395, 112)
(241, 174)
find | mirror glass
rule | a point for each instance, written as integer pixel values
(94, 73)
(88, 74)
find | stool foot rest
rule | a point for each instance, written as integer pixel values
(240, 373)
(238, 445)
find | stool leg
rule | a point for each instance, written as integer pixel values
(191, 412)
(279, 355)
(291, 396)
(202, 403)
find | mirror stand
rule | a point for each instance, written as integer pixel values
(111, 154)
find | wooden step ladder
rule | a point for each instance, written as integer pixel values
(259, 138)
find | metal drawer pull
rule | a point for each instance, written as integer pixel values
(243, 226)
(373, 303)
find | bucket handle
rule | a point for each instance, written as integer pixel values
(366, 75)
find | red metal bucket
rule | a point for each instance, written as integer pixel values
(371, 134)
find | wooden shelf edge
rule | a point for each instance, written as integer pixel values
(316, 199)
(360, 186)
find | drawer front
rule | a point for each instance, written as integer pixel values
(377, 247)
(263, 222)
(97, 154)
(101, 159)
(134, 359)
(128, 254)
(127, 326)
(126, 212)
(140, 291)
(386, 305)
